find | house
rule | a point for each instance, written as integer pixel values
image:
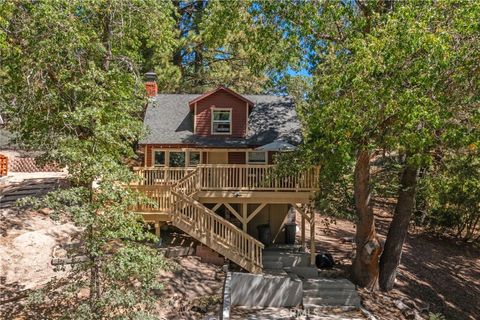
(209, 167)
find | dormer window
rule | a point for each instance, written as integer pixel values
(221, 121)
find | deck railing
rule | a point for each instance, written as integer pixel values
(254, 177)
(231, 177)
(159, 198)
(189, 184)
(148, 176)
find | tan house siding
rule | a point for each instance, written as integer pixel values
(272, 214)
(220, 157)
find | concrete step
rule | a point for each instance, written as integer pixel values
(288, 259)
(311, 302)
(272, 264)
(327, 284)
(293, 276)
(270, 313)
(305, 272)
(329, 293)
(266, 290)
(276, 272)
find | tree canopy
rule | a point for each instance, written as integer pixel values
(402, 79)
(384, 77)
(72, 88)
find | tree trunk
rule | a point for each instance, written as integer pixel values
(397, 232)
(94, 285)
(365, 263)
(106, 37)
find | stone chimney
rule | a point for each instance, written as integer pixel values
(151, 83)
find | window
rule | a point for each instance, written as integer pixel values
(159, 158)
(221, 121)
(257, 157)
(176, 159)
(194, 158)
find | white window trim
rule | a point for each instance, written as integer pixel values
(153, 158)
(264, 162)
(188, 158)
(211, 121)
(195, 118)
(246, 121)
(167, 157)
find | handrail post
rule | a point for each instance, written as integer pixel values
(252, 252)
(200, 178)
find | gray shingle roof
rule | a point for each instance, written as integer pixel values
(169, 121)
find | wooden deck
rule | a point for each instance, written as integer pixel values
(177, 195)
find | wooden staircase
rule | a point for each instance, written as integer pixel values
(206, 226)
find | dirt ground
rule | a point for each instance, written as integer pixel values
(437, 274)
(440, 275)
(194, 291)
(27, 240)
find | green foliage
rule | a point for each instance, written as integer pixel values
(393, 87)
(400, 79)
(232, 43)
(435, 316)
(71, 87)
(450, 196)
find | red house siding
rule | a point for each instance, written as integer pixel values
(236, 158)
(271, 156)
(204, 157)
(221, 99)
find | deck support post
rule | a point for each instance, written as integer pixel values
(157, 229)
(303, 233)
(312, 237)
(245, 216)
(304, 217)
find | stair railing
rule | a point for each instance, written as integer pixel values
(217, 233)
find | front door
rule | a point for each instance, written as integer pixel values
(218, 157)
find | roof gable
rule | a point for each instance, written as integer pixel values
(220, 88)
(169, 121)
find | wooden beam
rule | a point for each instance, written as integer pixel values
(235, 213)
(245, 215)
(281, 227)
(303, 234)
(151, 217)
(312, 238)
(302, 212)
(218, 205)
(254, 197)
(256, 211)
(157, 229)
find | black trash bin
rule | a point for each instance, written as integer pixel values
(290, 231)
(264, 234)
